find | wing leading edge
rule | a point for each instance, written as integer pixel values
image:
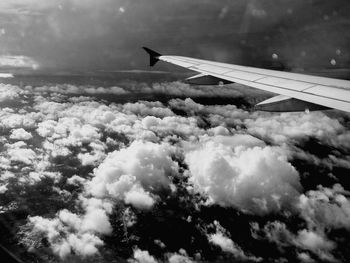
(299, 91)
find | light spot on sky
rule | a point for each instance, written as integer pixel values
(121, 9)
(274, 56)
(258, 13)
(223, 12)
(338, 52)
(333, 62)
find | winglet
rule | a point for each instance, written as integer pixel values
(153, 56)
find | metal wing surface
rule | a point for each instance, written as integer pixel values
(328, 92)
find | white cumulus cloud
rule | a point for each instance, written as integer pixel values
(326, 207)
(20, 134)
(130, 174)
(256, 179)
(143, 256)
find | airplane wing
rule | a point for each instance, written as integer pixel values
(298, 92)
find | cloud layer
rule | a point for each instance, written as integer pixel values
(119, 179)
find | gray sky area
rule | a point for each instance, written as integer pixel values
(91, 35)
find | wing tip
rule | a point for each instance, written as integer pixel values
(153, 56)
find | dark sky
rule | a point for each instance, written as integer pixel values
(92, 35)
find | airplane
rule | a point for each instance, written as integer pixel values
(297, 92)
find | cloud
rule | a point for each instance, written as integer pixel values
(225, 243)
(130, 174)
(9, 92)
(12, 120)
(76, 180)
(69, 232)
(227, 115)
(32, 6)
(74, 89)
(70, 219)
(315, 242)
(47, 128)
(26, 156)
(85, 133)
(36, 176)
(84, 245)
(266, 185)
(326, 207)
(3, 189)
(310, 240)
(142, 256)
(6, 75)
(219, 130)
(139, 198)
(143, 158)
(20, 134)
(96, 219)
(9, 5)
(169, 89)
(92, 158)
(18, 62)
(305, 257)
(286, 127)
(179, 258)
(186, 90)
(6, 175)
(174, 126)
(144, 108)
(71, 131)
(56, 149)
(275, 128)
(221, 239)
